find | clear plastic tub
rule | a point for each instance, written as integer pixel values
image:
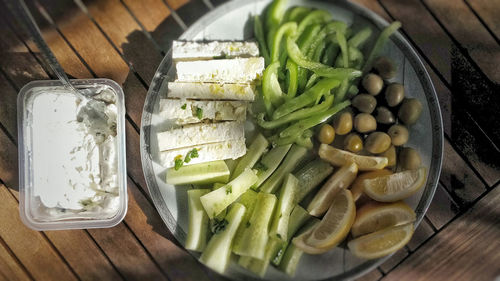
(108, 204)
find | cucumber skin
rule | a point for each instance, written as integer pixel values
(286, 202)
(272, 160)
(256, 235)
(311, 175)
(216, 201)
(198, 221)
(254, 152)
(257, 266)
(218, 251)
(291, 160)
(249, 200)
(204, 173)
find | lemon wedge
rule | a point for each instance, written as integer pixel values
(395, 187)
(338, 158)
(375, 216)
(332, 229)
(357, 187)
(382, 242)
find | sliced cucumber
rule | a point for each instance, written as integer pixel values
(292, 255)
(254, 152)
(249, 200)
(231, 164)
(311, 175)
(258, 266)
(255, 237)
(291, 160)
(270, 162)
(217, 185)
(298, 217)
(218, 251)
(286, 202)
(218, 200)
(203, 173)
(198, 221)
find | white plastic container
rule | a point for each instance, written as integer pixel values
(51, 195)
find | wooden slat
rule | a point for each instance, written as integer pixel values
(8, 112)
(371, 276)
(442, 208)
(459, 20)
(487, 10)
(10, 267)
(467, 249)
(192, 11)
(31, 248)
(375, 7)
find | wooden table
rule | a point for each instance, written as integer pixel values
(125, 40)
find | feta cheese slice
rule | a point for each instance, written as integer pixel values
(239, 70)
(189, 111)
(211, 91)
(189, 50)
(200, 133)
(231, 149)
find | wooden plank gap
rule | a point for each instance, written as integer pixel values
(490, 31)
(16, 259)
(176, 16)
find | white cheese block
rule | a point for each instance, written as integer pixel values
(186, 111)
(189, 50)
(231, 149)
(200, 133)
(239, 70)
(211, 91)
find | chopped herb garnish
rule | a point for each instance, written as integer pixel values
(278, 235)
(199, 113)
(178, 163)
(183, 106)
(219, 225)
(229, 189)
(191, 154)
(260, 167)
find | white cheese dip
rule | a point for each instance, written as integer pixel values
(75, 171)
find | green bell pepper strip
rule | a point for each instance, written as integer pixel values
(289, 29)
(330, 54)
(298, 128)
(275, 13)
(304, 41)
(259, 34)
(271, 90)
(341, 91)
(312, 80)
(379, 44)
(316, 16)
(319, 38)
(292, 69)
(355, 58)
(307, 98)
(318, 68)
(304, 142)
(296, 115)
(298, 13)
(360, 38)
(318, 51)
(279, 141)
(343, 49)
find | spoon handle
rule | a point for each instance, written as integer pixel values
(22, 12)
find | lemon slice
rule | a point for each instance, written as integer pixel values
(357, 187)
(333, 228)
(375, 216)
(382, 242)
(338, 157)
(395, 187)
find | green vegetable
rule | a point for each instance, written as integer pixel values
(191, 154)
(259, 266)
(271, 89)
(296, 129)
(184, 106)
(311, 175)
(249, 200)
(289, 163)
(312, 80)
(292, 69)
(203, 173)
(219, 225)
(343, 48)
(360, 38)
(231, 164)
(289, 29)
(218, 185)
(218, 251)
(286, 202)
(304, 142)
(379, 44)
(297, 115)
(330, 54)
(316, 16)
(178, 162)
(259, 34)
(218, 200)
(199, 113)
(255, 237)
(271, 161)
(254, 152)
(198, 221)
(297, 13)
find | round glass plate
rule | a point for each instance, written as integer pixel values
(230, 22)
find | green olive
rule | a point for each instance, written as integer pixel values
(353, 143)
(384, 115)
(373, 84)
(399, 134)
(377, 142)
(410, 111)
(394, 94)
(409, 159)
(385, 67)
(364, 123)
(343, 123)
(390, 154)
(326, 134)
(364, 103)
